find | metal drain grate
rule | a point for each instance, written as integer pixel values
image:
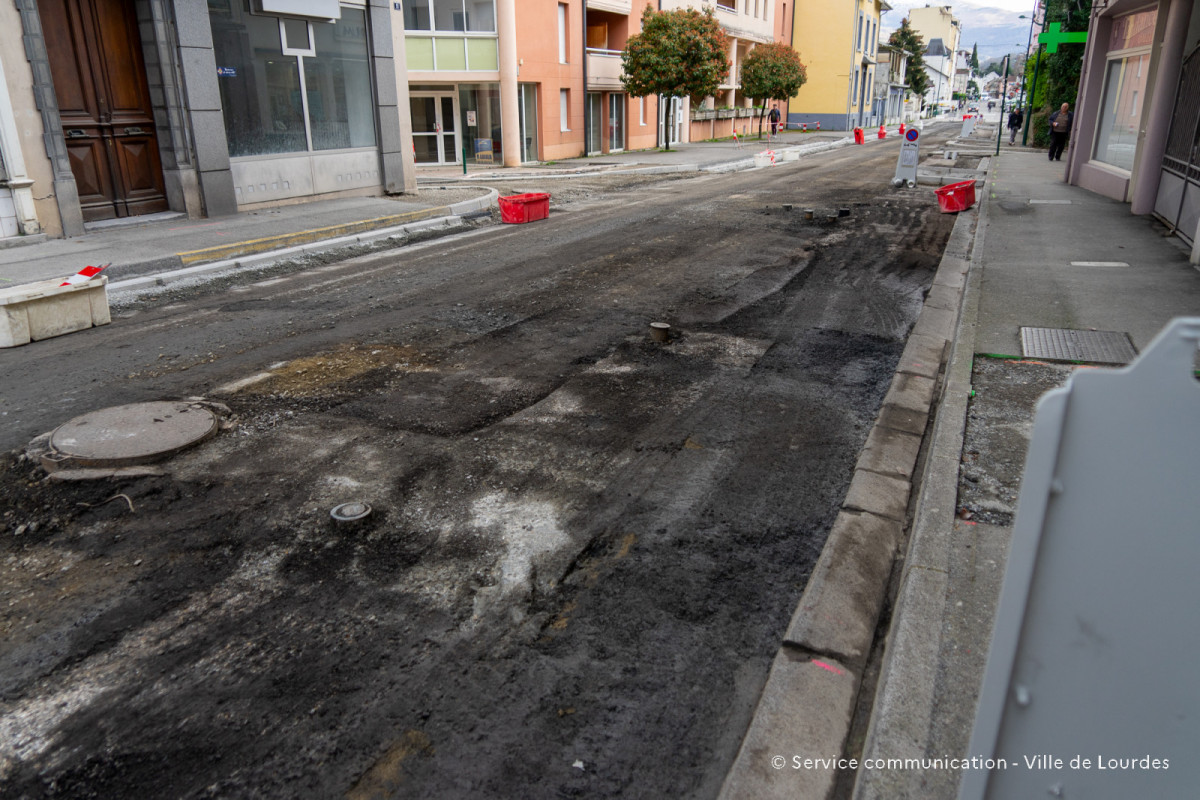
(1064, 344)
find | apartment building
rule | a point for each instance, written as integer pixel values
(838, 41)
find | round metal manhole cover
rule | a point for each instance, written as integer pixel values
(137, 433)
(349, 512)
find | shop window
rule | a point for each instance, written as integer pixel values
(341, 108)
(1125, 83)
(316, 97)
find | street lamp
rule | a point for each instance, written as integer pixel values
(1037, 65)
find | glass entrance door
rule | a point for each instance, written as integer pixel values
(616, 122)
(435, 128)
(594, 127)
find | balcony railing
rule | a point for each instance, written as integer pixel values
(604, 69)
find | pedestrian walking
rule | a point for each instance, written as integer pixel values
(1015, 120)
(773, 118)
(1060, 130)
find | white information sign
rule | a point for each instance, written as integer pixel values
(906, 165)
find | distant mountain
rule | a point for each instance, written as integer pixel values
(996, 29)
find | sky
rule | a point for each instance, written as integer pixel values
(992, 24)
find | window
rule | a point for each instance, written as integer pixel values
(858, 34)
(642, 111)
(1116, 140)
(1124, 84)
(316, 97)
(562, 34)
(564, 97)
(475, 16)
(728, 5)
(854, 91)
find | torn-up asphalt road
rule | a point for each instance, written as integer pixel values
(584, 546)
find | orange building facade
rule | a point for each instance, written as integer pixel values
(501, 81)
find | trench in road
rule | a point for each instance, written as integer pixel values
(585, 547)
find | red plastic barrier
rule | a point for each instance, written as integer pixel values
(858, 136)
(519, 208)
(956, 197)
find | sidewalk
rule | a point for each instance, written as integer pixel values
(1045, 255)
(163, 243)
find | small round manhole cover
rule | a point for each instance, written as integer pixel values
(137, 433)
(349, 512)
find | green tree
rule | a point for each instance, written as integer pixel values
(679, 53)
(911, 42)
(974, 64)
(772, 72)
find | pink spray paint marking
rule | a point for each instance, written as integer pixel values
(832, 669)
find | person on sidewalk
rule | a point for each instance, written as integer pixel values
(1015, 120)
(1060, 130)
(773, 118)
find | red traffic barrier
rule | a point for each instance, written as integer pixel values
(956, 197)
(518, 208)
(901, 128)
(882, 133)
(818, 124)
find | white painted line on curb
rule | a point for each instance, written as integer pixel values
(1099, 264)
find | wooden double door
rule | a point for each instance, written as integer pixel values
(100, 81)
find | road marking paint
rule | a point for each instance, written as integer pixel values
(1049, 202)
(1099, 264)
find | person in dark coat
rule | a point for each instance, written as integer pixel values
(1060, 131)
(773, 118)
(1015, 120)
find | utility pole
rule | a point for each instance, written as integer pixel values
(1003, 97)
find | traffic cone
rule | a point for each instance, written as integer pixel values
(882, 133)
(901, 128)
(818, 124)
(804, 127)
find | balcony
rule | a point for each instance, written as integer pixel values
(616, 6)
(604, 70)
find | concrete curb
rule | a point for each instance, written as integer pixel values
(265, 258)
(901, 714)
(807, 706)
(258, 252)
(287, 244)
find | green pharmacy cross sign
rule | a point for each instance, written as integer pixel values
(1054, 36)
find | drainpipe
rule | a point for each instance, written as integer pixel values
(587, 110)
(510, 117)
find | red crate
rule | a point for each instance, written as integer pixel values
(956, 197)
(518, 208)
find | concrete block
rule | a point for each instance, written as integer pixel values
(944, 297)
(386, 93)
(841, 603)
(217, 189)
(208, 133)
(192, 25)
(41, 310)
(937, 322)
(878, 494)
(922, 356)
(912, 392)
(890, 452)
(903, 419)
(200, 79)
(805, 711)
